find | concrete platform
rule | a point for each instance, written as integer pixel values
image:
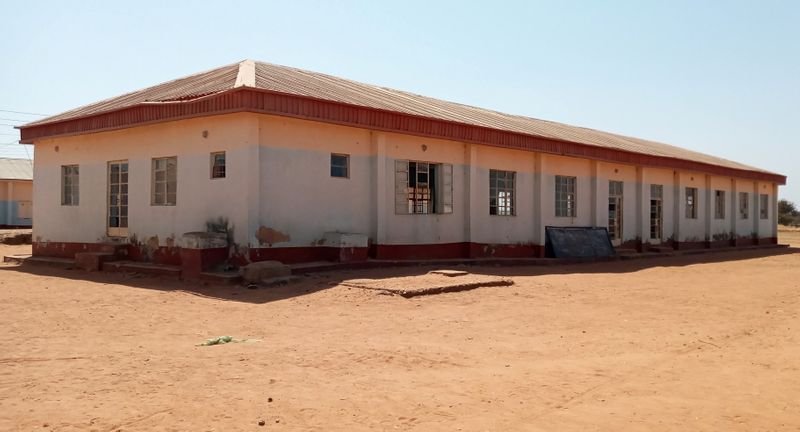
(323, 266)
(16, 259)
(142, 268)
(62, 263)
(428, 284)
(222, 278)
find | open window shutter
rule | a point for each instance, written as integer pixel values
(401, 187)
(447, 188)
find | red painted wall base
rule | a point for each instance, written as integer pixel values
(195, 261)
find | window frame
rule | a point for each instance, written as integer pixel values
(570, 196)
(440, 195)
(763, 206)
(422, 194)
(212, 163)
(719, 204)
(495, 191)
(744, 205)
(346, 165)
(74, 180)
(657, 224)
(154, 182)
(691, 208)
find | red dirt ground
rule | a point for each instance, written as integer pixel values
(666, 344)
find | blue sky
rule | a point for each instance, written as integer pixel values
(720, 77)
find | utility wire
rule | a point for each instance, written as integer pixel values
(14, 120)
(7, 124)
(23, 112)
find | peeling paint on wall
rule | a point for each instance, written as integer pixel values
(270, 236)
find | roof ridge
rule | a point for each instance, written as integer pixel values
(247, 74)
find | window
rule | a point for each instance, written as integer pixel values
(218, 165)
(423, 187)
(691, 203)
(744, 205)
(656, 191)
(615, 204)
(165, 181)
(70, 191)
(656, 211)
(615, 188)
(501, 193)
(719, 204)
(340, 165)
(565, 196)
(763, 206)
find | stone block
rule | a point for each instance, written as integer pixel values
(264, 270)
(92, 261)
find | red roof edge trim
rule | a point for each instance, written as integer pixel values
(246, 99)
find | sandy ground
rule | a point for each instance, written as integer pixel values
(667, 344)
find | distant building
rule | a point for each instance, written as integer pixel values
(302, 166)
(16, 193)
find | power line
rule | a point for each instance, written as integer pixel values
(15, 120)
(6, 124)
(23, 112)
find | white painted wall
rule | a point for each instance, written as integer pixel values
(199, 197)
(664, 178)
(765, 225)
(517, 229)
(745, 227)
(721, 228)
(278, 177)
(298, 195)
(627, 175)
(425, 228)
(552, 166)
(692, 229)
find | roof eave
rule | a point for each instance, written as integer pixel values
(28, 136)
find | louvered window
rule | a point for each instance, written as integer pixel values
(423, 187)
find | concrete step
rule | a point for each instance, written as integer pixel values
(142, 268)
(16, 259)
(222, 278)
(660, 248)
(93, 261)
(116, 249)
(62, 263)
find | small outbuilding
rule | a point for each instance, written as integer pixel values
(291, 165)
(16, 193)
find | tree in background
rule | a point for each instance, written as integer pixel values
(788, 214)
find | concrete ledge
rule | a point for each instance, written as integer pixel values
(299, 269)
(92, 261)
(222, 278)
(428, 284)
(16, 259)
(62, 263)
(143, 268)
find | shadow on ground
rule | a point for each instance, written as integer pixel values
(314, 282)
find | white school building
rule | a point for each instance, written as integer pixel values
(300, 166)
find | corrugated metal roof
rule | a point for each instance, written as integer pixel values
(186, 88)
(16, 169)
(298, 82)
